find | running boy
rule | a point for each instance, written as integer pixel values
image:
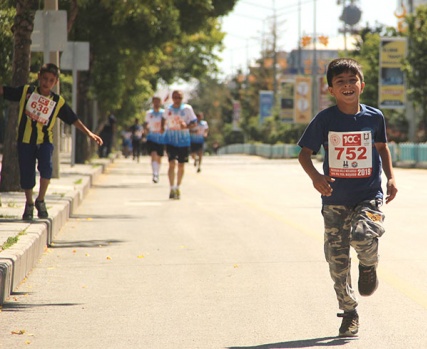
(179, 118)
(38, 111)
(154, 128)
(354, 138)
(198, 134)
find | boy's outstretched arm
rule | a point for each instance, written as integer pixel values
(387, 164)
(320, 182)
(78, 124)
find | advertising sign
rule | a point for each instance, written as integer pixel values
(266, 104)
(237, 109)
(302, 99)
(392, 89)
(287, 95)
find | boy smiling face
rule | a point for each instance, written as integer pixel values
(347, 88)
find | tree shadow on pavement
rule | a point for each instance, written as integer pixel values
(303, 343)
(103, 217)
(14, 306)
(83, 243)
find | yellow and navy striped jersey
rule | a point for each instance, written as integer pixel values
(31, 131)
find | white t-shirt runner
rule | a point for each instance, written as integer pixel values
(350, 154)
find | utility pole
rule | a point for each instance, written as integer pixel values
(314, 65)
(274, 54)
(410, 112)
(52, 5)
(299, 39)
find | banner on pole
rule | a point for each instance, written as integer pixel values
(302, 99)
(392, 88)
(287, 95)
(266, 103)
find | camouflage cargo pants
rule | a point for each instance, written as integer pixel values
(359, 227)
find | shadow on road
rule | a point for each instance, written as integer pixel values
(11, 306)
(83, 243)
(303, 343)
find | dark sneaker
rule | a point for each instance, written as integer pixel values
(368, 281)
(350, 324)
(199, 170)
(41, 209)
(28, 212)
(172, 194)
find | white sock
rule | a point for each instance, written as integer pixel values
(155, 165)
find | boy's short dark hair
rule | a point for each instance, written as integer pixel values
(50, 68)
(341, 65)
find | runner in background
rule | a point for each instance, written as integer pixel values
(179, 118)
(154, 128)
(198, 135)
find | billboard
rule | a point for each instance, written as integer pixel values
(392, 88)
(302, 99)
(266, 104)
(287, 95)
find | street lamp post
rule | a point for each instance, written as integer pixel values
(410, 112)
(54, 58)
(314, 69)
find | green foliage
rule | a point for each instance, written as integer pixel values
(367, 53)
(135, 43)
(7, 15)
(416, 64)
(11, 240)
(215, 101)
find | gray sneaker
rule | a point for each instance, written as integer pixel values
(28, 212)
(350, 324)
(368, 281)
(41, 209)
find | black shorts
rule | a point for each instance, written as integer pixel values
(178, 153)
(28, 154)
(157, 147)
(196, 147)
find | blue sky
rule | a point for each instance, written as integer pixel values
(251, 20)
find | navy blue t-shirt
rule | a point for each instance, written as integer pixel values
(348, 191)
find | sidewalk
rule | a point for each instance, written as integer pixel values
(29, 239)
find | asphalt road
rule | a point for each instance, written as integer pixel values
(237, 263)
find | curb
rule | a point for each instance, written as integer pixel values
(17, 261)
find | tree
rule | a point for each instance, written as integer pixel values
(7, 14)
(129, 50)
(367, 53)
(415, 66)
(213, 98)
(22, 29)
(134, 44)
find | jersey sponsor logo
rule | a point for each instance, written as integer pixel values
(351, 139)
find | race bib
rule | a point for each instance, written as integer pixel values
(350, 154)
(39, 108)
(174, 122)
